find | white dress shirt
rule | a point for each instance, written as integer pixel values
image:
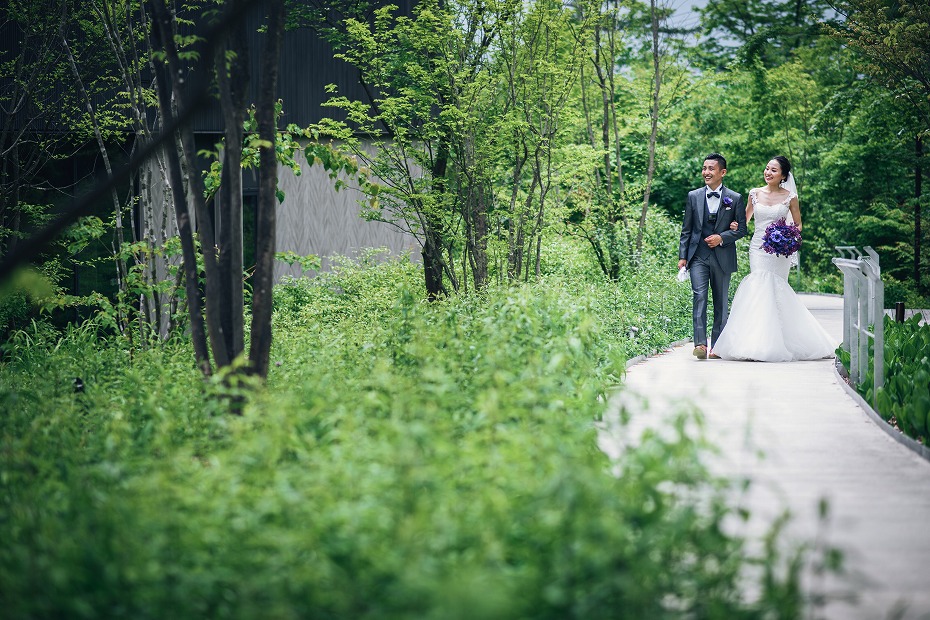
(713, 203)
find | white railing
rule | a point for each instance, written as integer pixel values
(863, 307)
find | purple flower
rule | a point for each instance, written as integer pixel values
(727, 201)
(781, 238)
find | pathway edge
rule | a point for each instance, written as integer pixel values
(909, 443)
(639, 358)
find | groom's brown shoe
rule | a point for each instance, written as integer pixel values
(700, 352)
(713, 356)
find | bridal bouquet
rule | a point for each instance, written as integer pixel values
(781, 238)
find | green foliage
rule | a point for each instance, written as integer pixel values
(905, 398)
(24, 296)
(413, 64)
(82, 233)
(123, 313)
(602, 165)
(758, 31)
(466, 158)
(645, 309)
(287, 145)
(310, 262)
(407, 460)
(894, 40)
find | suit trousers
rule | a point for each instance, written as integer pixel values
(706, 273)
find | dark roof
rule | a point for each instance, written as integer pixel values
(306, 67)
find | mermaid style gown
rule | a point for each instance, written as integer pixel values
(768, 322)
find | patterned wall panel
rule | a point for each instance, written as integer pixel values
(316, 219)
(313, 219)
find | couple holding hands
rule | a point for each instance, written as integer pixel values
(768, 322)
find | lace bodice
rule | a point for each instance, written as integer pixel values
(764, 215)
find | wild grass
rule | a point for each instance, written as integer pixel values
(405, 460)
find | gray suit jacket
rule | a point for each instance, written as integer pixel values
(725, 253)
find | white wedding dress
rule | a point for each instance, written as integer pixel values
(768, 321)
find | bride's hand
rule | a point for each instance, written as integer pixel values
(734, 225)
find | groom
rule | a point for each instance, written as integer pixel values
(708, 247)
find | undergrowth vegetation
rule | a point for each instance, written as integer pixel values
(406, 460)
(904, 399)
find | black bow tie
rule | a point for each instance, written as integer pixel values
(713, 194)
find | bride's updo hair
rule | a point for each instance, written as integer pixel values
(784, 164)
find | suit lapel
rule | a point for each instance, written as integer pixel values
(701, 207)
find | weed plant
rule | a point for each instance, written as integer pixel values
(406, 460)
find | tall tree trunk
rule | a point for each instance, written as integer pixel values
(432, 263)
(918, 190)
(544, 185)
(589, 126)
(433, 260)
(162, 24)
(480, 241)
(186, 233)
(522, 259)
(514, 236)
(266, 224)
(613, 98)
(476, 230)
(605, 110)
(117, 208)
(475, 212)
(616, 211)
(656, 89)
(154, 301)
(233, 87)
(15, 224)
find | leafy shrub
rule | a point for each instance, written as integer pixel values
(903, 291)
(23, 296)
(831, 283)
(905, 398)
(647, 308)
(406, 460)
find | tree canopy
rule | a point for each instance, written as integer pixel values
(486, 129)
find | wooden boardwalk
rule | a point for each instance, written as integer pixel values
(792, 430)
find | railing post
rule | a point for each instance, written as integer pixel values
(848, 291)
(863, 326)
(853, 251)
(872, 259)
(849, 305)
(873, 272)
(863, 306)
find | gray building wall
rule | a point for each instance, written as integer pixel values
(316, 219)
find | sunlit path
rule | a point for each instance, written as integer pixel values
(816, 443)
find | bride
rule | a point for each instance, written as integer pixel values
(768, 321)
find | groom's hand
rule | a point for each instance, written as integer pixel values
(682, 263)
(713, 240)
